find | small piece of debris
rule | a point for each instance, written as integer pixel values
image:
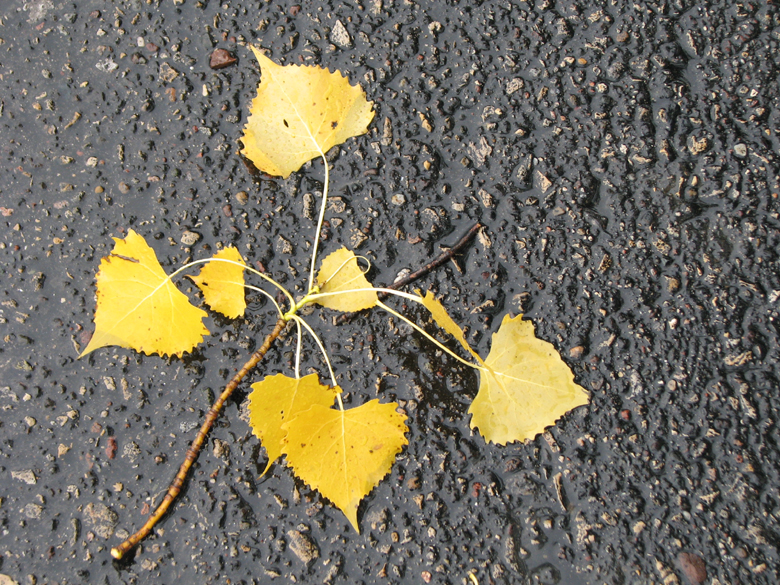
(357, 238)
(221, 58)
(541, 182)
(26, 475)
(131, 450)
(221, 450)
(101, 519)
(189, 238)
(693, 567)
(698, 145)
(33, 511)
(339, 36)
(283, 245)
(514, 85)
(107, 65)
(480, 152)
(123, 188)
(167, 73)
(303, 546)
(487, 199)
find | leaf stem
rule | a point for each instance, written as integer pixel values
(320, 220)
(298, 351)
(192, 452)
(430, 337)
(311, 298)
(319, 343)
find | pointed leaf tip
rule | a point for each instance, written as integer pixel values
(344, 454)
(443, 320)
(139, 307)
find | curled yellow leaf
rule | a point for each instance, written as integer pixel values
(222, 283)
(301, 112)
(340, 272)
(277, 399)
(139, 307)
(443, 320)
(527, 386)
(344, 454)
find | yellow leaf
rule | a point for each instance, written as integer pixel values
(344, 454)
(300, 112)
(340, 272)
(222, 283)
(444, 321)
(527, 388)
(277, 399)
(139, 307)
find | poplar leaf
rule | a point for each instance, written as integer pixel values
(277, 399)
(344, 454)
(444, 321)
(139, 307)
(301, 112)
(527, 386)
(339, 271)
(222, 283)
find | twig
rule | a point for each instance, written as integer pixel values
(435, 263)
(194, 449)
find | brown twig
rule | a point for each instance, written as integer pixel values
(448, 254)
(194, 449)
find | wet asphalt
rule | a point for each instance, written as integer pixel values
(623, 158)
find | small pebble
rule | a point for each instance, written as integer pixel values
(101, 519)
(99, 189)
(740, 150)
(220, 59)
(693, 567)
(189, 238)
(124, 188)
(303, 546)
(242, 197)
(398, 199)
(340, 36)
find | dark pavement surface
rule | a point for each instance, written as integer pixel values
(623, 157)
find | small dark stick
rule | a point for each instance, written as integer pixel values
(435, 263)
(194, 449)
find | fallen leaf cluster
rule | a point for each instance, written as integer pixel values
(300, 112)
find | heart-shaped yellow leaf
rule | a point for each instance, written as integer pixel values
(277, 399)
(222, 283)
(340, 272)
(527, 388)
(344, 454)
(139, 307)
(444, 321)
(301, 112)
